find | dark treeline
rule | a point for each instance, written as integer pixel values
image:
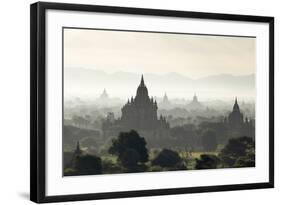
(128, 153)
(207, 136)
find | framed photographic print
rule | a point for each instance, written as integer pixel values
(129, 102)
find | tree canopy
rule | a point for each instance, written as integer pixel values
(209, 140)
(207, 161)
(87, 165)
(239, 152)
(167, 158)
(130, 148)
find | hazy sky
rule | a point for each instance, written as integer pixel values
(194, 56)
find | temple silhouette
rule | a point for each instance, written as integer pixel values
(195, 104)
(104, 95)
(238, 125)
(165, 99)
(103, 100)
(165, 103)
(140, 114)
(235, 118)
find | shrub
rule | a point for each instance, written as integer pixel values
(167, 158)
(109, 167)
(87, 165)
(207, 161)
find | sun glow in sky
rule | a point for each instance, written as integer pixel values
(194, 56)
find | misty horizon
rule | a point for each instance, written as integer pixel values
(89, 83)
(162, 74)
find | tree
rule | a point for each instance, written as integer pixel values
(130, 158)
(69, 172)
(209, 140)
(167, 158)
(130, 149)
(207, 161)
(87, 165)
(110, 167)
(239, 152)
(246, 161)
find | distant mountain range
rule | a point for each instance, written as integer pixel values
(92, 82)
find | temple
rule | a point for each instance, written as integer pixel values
(78, 150)
(237, 125)
(104, 95)
(140, 114)
(195, 104)
(165, 104)
(236, 118)
(165, 99)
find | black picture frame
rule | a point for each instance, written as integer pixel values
(38, 100)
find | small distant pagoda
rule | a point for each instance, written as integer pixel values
(78, 150)
(165, 104)
(165, 99)
(104, 95)
(76, 153)
(195, 104)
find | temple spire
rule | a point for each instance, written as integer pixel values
(78, 145)
(165, 98)
(236, 106)
(78, 149)
(142, 91)
(104, 94)
(195, 99)
(142, 81)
